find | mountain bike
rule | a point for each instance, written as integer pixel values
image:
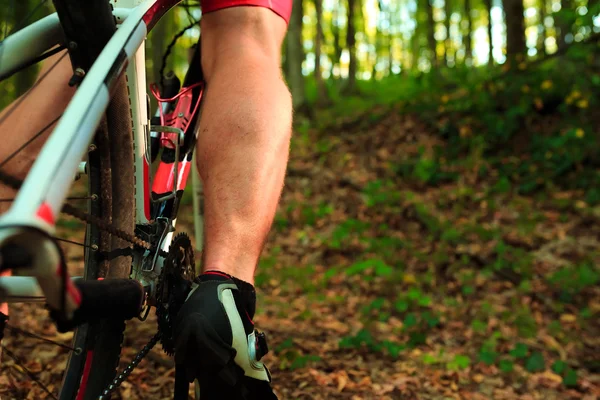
(133, 165)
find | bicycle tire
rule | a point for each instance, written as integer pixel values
(91, 371)
(111, 178)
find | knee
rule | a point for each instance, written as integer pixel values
(241, 37)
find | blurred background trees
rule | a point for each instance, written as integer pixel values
(444, 183)
(332, 44)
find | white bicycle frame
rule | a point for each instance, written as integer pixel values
(30, 221)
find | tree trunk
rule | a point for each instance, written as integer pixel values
(25, 78)
(321, 89)
(447, 41)
(378, 45)
(390, 55)
(468, 34)
(541, 42)
(389, 13)
(515, 28)
(158, 43)
(488, 6)
(431, 35)
(337, 47)
(295, 56)
(592, 6)
(351, 43)
(564, 26)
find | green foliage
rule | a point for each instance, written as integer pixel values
(310, 215)
(379, 268)
(506, 366)
(487, 356)
(375, 305)
(362, 337)
(426, 169)
(69, 223)
(498, 118)
(535, 362)
(559, 366)
(346, 231)
(574, 279)
(512, 258)
(478, 326)
(519, 351)
(380, 192)
(385, 246)
(569, 375)
(525, 323)
(570, 378)
(291, 358)
(303, 360)
(459, 362)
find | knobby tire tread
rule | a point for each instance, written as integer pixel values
(113, 179)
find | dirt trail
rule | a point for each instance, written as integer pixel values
(376, 286)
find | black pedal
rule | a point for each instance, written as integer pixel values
(261, 345)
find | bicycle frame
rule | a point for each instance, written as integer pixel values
(30, 222)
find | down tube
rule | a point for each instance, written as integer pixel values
(136, 82)
(44, 191)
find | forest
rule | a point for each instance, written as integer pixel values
(438, 236)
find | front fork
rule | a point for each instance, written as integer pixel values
(34, 253)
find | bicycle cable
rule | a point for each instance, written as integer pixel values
(168, 51)
(68, 209)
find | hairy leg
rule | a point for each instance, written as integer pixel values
(244, 136)
(30, 114)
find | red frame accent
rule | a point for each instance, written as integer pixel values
(157, 10)
(46, 213)
(164, 179)
(4, 306)
(180, 117)
(146, 189)
(72, 290)
(86, 374)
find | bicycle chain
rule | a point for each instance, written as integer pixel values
(114, 385)
(15, 183)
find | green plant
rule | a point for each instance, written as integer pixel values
(535, 362)
(525, 323)
(346, 231)
(311, 214)
(459, 362)
(571, 280)
(291, 358)
(568, 374)
(380, 192)
(379, 267)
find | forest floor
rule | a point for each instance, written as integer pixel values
(373, 286)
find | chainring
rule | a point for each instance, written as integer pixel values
(173, 286)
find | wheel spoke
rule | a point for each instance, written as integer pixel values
(21, 24)
(19, 331)
(30, 374)
(72, 242)
(28, 142)
(20, 100)
(6, 200)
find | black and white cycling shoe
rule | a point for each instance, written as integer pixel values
(216, 342)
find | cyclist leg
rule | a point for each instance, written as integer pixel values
(244, 134)
(31, 113)
(242, 155)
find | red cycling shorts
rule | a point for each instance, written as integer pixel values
(283, 8)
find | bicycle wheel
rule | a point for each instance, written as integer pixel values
(111, 178)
